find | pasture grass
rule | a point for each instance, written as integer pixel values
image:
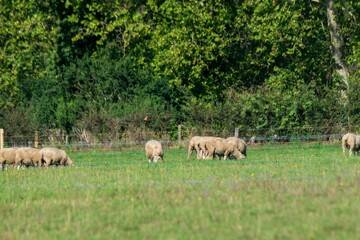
(285, 191)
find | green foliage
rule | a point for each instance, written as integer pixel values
(270, 110)
(189, 44)
(27, 36)
(104, 77)
(42, 96)
(110, 86)
(17, 125)
(66, 113)
(207, 64)
(352, 103)
(284, 35)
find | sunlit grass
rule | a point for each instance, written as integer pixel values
(293, 191)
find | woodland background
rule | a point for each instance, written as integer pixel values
(114, 69)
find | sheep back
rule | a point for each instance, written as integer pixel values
(28, 156)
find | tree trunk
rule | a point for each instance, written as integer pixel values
(337, 42)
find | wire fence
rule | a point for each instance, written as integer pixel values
(82, 138)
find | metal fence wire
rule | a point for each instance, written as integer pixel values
(82, 138)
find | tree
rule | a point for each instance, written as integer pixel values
(189, 45)
(27, 36)
(337, 43)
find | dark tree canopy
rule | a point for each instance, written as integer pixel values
(105, 65)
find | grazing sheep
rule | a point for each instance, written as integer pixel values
(198, 144)
(194, 145)
(55, 156)
(222, 147)
(7, 156)
(154, 151)
(204, 151)
(27, 156)
(352, 142)
(240, 145)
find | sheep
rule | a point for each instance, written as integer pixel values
(55, 156)
(352, 142)
(205, 154)
(240, 145)
(154, 151)
(194, 145)
(198, 144)
(27, 156)
(7, 156)
(222, 147)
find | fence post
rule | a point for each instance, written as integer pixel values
(236, 132)
(179, 133)
(1, 138)
(36, 140)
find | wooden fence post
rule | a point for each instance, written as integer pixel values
(1, 138)
(179, 133)
(236, 132)
(36, 141)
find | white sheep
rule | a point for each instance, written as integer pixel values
(27, 156)
(7, 157)
(352, 142)
(240, 145)
(55, 156)
(154, 151)
(194, 145)
(204, 151)
(222, 147)
(197, 143)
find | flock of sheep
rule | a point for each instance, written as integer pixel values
(230, 148)
(27, 156)
(205, 148)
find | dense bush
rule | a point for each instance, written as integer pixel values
(109, 69)
(269, 111)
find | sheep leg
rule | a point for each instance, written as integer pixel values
(344, 145)
(47, 163)
(226, 154)
(202, 150)
(351, 149)
(198, 152)
(206, 153)
(203, 154)
(210, 154)
(190, 152)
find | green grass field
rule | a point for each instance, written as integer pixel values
(294, 191)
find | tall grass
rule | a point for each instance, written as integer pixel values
(293, 191)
